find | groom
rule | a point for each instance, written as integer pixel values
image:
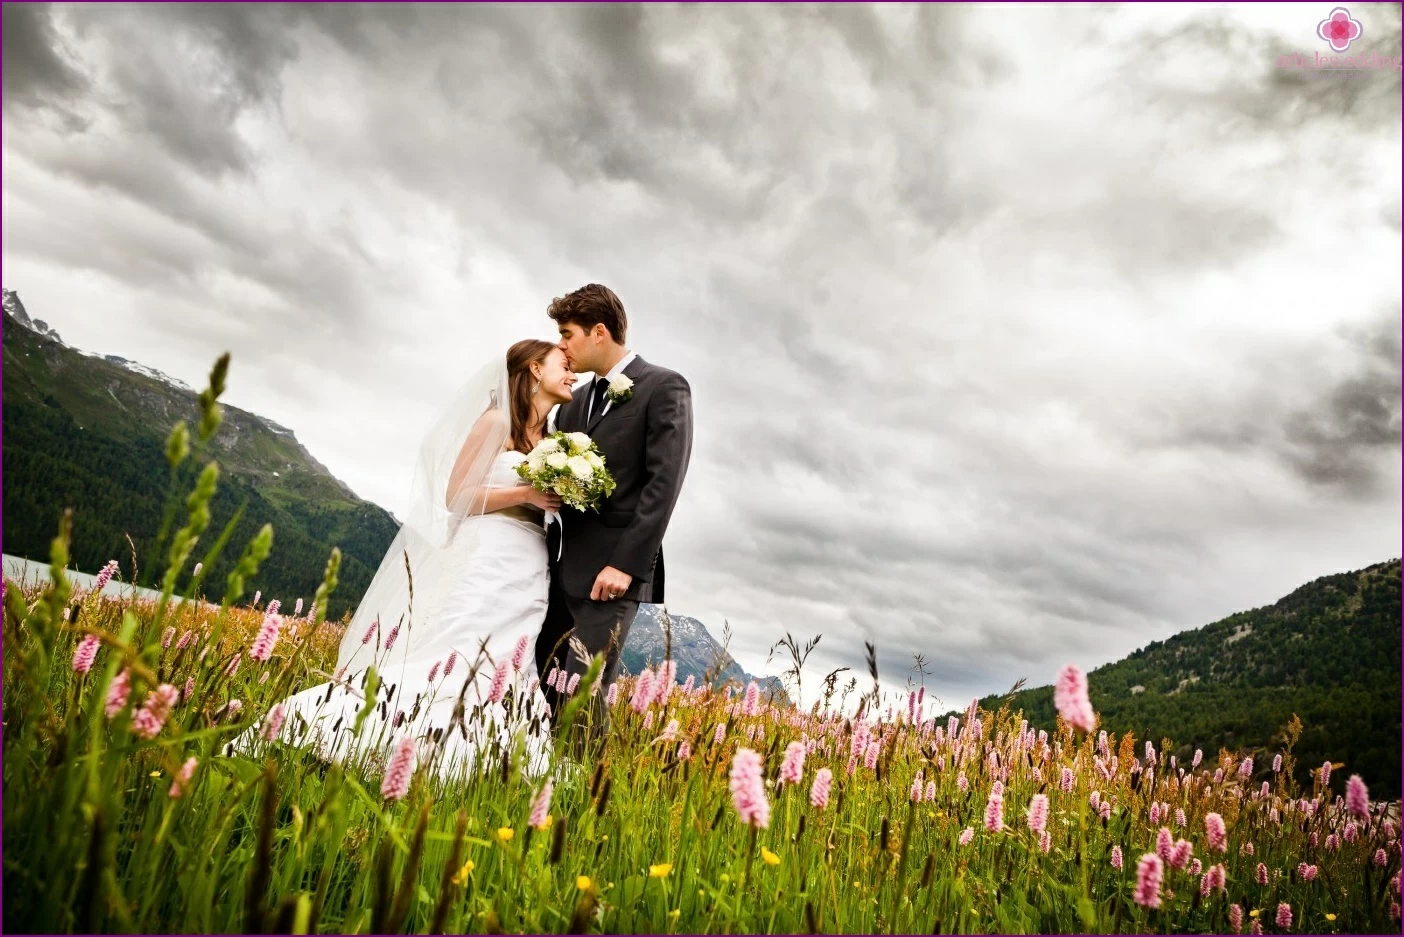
(640, 417)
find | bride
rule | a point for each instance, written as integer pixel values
(450, 620)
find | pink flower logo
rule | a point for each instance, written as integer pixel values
(1339, 29)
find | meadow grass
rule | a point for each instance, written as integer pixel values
(123, 810)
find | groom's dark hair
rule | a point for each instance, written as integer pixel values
(589, 306)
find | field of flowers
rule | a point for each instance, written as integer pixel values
(707, 810)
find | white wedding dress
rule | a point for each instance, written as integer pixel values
(493, 593)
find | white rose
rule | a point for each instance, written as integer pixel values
(535, 462)
(549, 444)
(620, 383)
(594, 460)
(579, 442)
(557, 460)
(580, 468)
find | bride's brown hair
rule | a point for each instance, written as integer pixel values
(520, 386)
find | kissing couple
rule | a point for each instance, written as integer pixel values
(495, 597)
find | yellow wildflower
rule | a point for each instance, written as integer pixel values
(674, 913)
(462, 874)
(769, 857)
(1255, 912)
(505, 833)
(661, 870)
(582, 882)
(1330, 917)
(155, 774)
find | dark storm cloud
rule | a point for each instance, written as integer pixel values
(37, 70)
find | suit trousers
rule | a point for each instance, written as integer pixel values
(602, 627)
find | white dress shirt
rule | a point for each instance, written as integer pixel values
(614, 372)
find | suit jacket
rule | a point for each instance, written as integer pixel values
(646, 442)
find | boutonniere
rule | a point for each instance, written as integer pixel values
(621, 388)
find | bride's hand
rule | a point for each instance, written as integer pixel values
(547, 501)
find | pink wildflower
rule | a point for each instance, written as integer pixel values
(1284, 915)
(1236, 918)
(1065, 783)
(1276, 763)
(1357, 797)
(684, 750)
(390, 638)
(1214, 879)
(274, 723)
(189, 689)
(499, 685)
(1105, 810)
(1245, 770)
(792, 768)
(643, 691)
(399, 771)
(930, 791)
(152, 716)
(1038, 813)
(752, 703)
(434, 671)
(1261, 875)
(572, 684)
(748, 789)
(1325, 773)
(1070, 698)
(117, 693)
(1116, 860)
(185, 640)
(541, 807)
(1381, 858)
(819, 792)
(1306, 872)
(167, 637)
(519, 653)
(1149, 873)
(719, 735)
(1216, 832)
(1180, 855)
(1164, 843)
(994, 812)
(297, 609)
(86, 653)
(871, 756)
(1045, 841)
(104, 576)
(612, 696)
(182, 778)
(267, 637)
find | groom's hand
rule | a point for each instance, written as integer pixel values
(610, 584)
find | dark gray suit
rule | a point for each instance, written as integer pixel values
(646, 442)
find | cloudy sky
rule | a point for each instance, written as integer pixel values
(1018, 335)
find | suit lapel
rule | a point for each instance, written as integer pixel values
(632, 372)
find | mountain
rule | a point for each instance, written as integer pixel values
(89, 431)
(697, 653)
(1328, 652)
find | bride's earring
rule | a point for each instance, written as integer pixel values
(537, 389)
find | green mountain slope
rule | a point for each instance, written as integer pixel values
(88, 432)
(1328, 652)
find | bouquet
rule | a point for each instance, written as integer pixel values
(570, 465)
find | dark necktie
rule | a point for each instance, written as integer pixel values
(597, 402)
